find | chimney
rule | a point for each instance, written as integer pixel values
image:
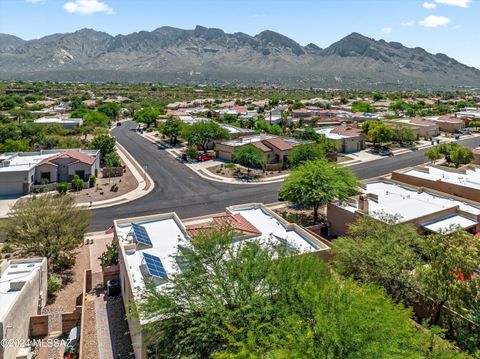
(363, 203)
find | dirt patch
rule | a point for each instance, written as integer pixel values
(71, 293)
(231, 170)
(301, 215)
(342, 158)
(104, 188)
(89, 332)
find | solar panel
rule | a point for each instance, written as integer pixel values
(154, 265)
(141, 234)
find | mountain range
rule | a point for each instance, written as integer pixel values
(209, 55)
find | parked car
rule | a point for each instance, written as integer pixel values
(203, 158)
(464, 131)
(385, 152)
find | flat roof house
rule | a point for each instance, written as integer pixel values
(427, 210)
(449, 123)
(67, 123)
(464, 182)
(348, 139)
(19, 171)
(23, 293)
(149, 245)
(422, 127)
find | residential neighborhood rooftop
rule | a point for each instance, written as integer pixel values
(407, 203)
(13, 274)
(156, 239)
(468, 177)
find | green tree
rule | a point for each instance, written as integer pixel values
(96, 119)
(172, 128)
(50, 226)
(258, 301)
(316, 183)
(147, 116)
(112, 159)
(449, 257)
(15, 146)
(404, 135)
(306, 152)
(362, 106)
(433, 155)
(111, 110)
(377, 132)
(104, 143)
(250, 157)
(461, 155)
(203, 134)
(382, 252)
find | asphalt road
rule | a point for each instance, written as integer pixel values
(180, 190)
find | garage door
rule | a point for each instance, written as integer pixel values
(10, 188)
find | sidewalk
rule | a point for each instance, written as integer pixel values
(145, 183)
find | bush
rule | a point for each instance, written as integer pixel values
(44, 181)
(77, 183)
(54, 283)
(62, 187)
(7, 248)
(110, 256)
(230, 165)
(112, 160)
(92, 180)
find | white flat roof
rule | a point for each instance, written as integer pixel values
(167, 232)
(246, 140)
(57, 120)
(327, 132)
(274, 231)
(16, 271)
(471, 177)
(407, 203)
(25, 161)
(449, 224)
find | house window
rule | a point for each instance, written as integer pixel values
(80, 173)
(45, 175)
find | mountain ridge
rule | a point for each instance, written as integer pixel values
(210, 55)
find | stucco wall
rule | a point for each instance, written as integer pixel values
(16, 323)
(441, 186)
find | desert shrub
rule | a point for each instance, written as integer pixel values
(54, 283)
(62, 187)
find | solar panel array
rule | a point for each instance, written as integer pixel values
(154, 265)
(141, 234)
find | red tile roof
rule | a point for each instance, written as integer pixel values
(347, 131)
(421, 121)
(261, 146)
(450, 119)
(278, 143)
(236, 222)
(78, 156)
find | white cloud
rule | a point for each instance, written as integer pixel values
(87, 7)
(459, 3)
(407, 23)
(434, 21)
(386, 30)
(429, 5)
(35, 1)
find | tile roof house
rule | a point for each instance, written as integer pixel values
(275, 148)
(348, 139)
(422, 127)
(20, 171)
(149, 247)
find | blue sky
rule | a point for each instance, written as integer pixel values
(447, 26)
